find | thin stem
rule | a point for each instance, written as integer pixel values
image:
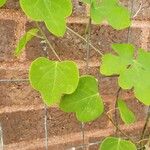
(1, 138)
(45, 128)
(145, 125)
(138, 11)
(45, 108)
(111, 110)
(116, 105)
(117, 127)
(143, 140)
(78, 35)
(88, 36)
(47, 41)
(129, 29)
(83, 135)
(38, 36)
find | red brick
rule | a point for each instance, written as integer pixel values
(73, 48)
(7, 40)
(143, 14)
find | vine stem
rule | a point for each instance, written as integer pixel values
(145, 126)
(45, 127)
(81, 37)
(117, 94)
(117, 127)
(45, 107)
(47, 41)
(116, 105)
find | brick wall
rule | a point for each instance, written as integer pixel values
(21, 108)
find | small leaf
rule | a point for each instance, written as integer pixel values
(116, 15)
(126, 114)
(2, 2)
(53, 79)
(132, 72)
(112, 143)
(85, 101)
(52, 12)
(24, 40)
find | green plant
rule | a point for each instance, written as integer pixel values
(59, 81)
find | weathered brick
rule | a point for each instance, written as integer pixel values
(79, 9)
(26, 126)
(143, 14)
(74, 48)
(12, 4)
(18, 94)
(21, 108)
(7, 40)
(21, 93)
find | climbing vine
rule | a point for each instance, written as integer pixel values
(59, 81)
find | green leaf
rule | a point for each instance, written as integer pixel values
(52, 12)
(133, 73)
(115, 64)
(24, 40)
(126, 114)
(116, 15)
(85, 101)
(112, 143)
(88, 1)
(53, 79)
(2, 2)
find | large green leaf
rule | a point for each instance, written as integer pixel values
(85, 101)
(112, 11)
(24, 40)
(52, 12)
(53, 79)
(126, 114)
(2, 2)
(112, 143)
(132, 72)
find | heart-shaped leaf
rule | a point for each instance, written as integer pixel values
(2, 2)
(85, 101)
(112, 11)
(126, 114)
(132, 72)
(53, 79)
(24, 40)
(52, 12)
(112, 143)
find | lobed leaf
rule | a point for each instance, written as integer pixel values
(133, 73)
(53, 79)
(85, 101)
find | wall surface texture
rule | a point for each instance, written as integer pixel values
(21, 108)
